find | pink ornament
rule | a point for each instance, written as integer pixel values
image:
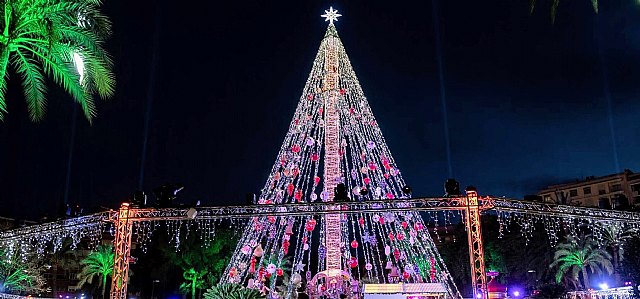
(366, 181)
(368, 266)
(372, 166)
(381, 220)
(361, 221)
(390, 196)
(404, 224)
(354, 244)
(418, 226)
(310, 97)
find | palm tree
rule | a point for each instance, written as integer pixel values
(578, 256)
(232, 291)
(62, 39)
(21, 275)
(194, 280)
(614, 237)
(98, 263)
(554, 7)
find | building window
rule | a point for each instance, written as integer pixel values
(573, 193)
(586, 190)
(602, 190)
(615, 187)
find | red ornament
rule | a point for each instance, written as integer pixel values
(396, 253)
(320, 110)
(404, 224)
(381, 220)
(279, 272)
(418, 226)
(386, 176)
(405, 275)
(361, 221)
(298, 195)
(295, 148)
(315, 157)
(316, 180)
(352, 111)
(295, 172)
(268, 275)
(290, 188)
(342, 91)
(353, 262)
(271, 219)
(390, 195)
(252, 268)
(391, 237)
(372, 166)
(354, 244)
(310, 97)
(366, 181)
(400, 236)
(310, 225)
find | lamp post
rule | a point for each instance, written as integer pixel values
(153, 286)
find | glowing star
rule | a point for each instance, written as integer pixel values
(299, 267)
(331, 15)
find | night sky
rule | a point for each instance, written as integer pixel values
(526, 100)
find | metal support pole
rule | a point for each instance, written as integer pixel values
(476, 250)
(122, 246)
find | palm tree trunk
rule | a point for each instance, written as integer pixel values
(55, 281)
(104, 285)
(616, 260)
(193, 288)
(585, 277)
(4, 59)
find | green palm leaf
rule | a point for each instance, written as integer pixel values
(39, 39)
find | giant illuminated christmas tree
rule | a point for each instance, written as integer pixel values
(334, 149)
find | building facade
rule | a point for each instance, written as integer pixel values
(610, 191)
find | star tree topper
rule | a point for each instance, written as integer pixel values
(331, 15)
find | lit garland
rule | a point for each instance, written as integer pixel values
(37, 238)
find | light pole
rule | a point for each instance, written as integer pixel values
(153, 286)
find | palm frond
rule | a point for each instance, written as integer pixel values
(33, 85)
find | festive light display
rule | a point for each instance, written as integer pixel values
(334, 139)
(37, 238)
(371, 230)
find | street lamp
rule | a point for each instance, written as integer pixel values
(153, 286)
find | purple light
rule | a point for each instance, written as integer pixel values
(516, 293)
(479, 295)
